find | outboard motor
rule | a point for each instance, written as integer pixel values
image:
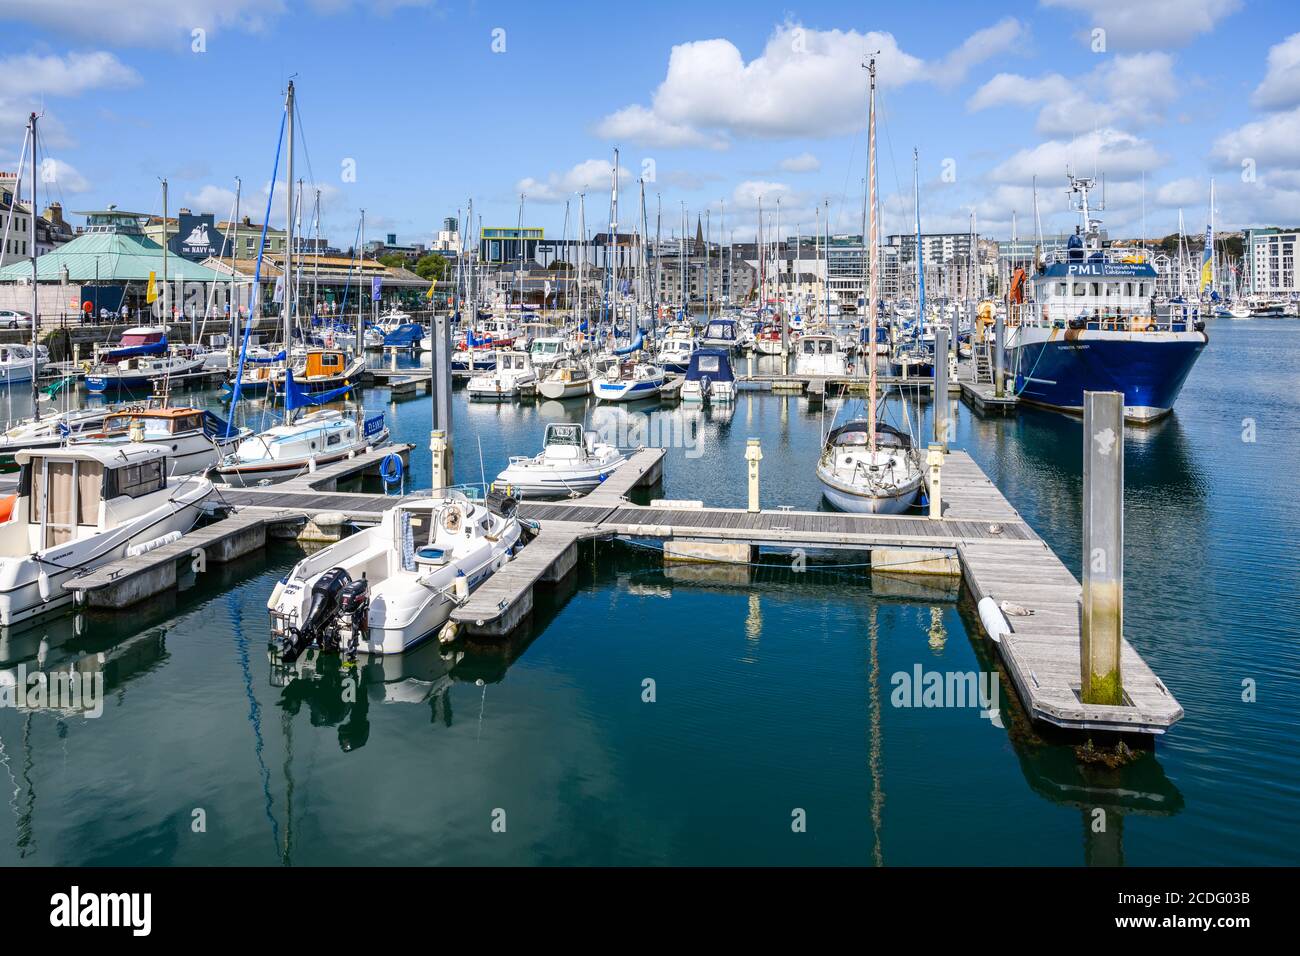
(354, 614)
(320, 623)
(500, 503)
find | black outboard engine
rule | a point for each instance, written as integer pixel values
(500, 503)
(354, 614)
(320, 624)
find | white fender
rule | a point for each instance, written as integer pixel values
(462, 589)
(43, 582)
(145, 547)
(991, 617)
(274, 601)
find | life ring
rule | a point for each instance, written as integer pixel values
(7, 507)
(390, 469)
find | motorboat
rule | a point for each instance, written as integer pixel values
(866, 477)
(676, 348)
(709, 378)
(140, 373)
(571, 462)
(51, 431)
(721, 334)
(513, 373)
(569, 378)
(304, 443)
(628, 381)
(79, 508)
(546, 351)
(19, 364)
(387, 588)
(193, 438)
(818, 353)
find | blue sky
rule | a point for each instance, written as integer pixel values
(722, 103)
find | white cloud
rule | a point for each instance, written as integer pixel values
(1281, 86)
(214, 199)
(1011, 89)
(637, 124)
(980, 46)
(747, 194)
(1102, 97)
(803, 163)
(142, 22)
(806, 82)
(1152, 23)
(1273, 139)
(1187, 191)
(592, 175)
(58, 176)
(1119, 155)
(31, 75)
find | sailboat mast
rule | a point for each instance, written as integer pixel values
(31, 239)
(286, 306)
(920, 259)
(873, 254)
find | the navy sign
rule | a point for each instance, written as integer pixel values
(196, 237)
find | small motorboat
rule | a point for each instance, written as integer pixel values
(866, 478)
(388, 588)
(513, 373)
(572, 462)
(629, 381)
(546, 351)
(709, 378)
(139, 373)
(80, 508)
(51, 431)
(721, 334)
(18, 363)
(570, 378)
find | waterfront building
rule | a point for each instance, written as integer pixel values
(1271, 261)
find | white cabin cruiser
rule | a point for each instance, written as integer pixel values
(678, 345)
(18, 364)
(387, 588)
(819, 354)
(79, 508)
(628, 382)
(571, 462)
(547, 351)
(192, 439)
(514, 372)
(709, 378)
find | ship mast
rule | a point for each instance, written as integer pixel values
(874, 256)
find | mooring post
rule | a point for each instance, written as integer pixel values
(941, 387)
(999, 344)
(753, 455)
(934, 459)
(440, 393)
(1102, 623)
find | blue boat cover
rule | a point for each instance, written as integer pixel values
(151, 348)
(408, 333)
(713, 364)
(634, 347)
(264, 361)
(295, 396)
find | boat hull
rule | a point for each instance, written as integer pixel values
(845, 499)
(1149, 368)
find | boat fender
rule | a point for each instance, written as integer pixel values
(311, 465)
(461, 586)
(43, 583)
(145, 547)
(274, 601)
(995, 624)
(448, 633)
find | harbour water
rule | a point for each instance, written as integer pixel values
(773, 688)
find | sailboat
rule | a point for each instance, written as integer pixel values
(865, 466)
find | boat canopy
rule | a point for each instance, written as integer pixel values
(139, 342)
(855, 433)
(713, 364)
(279, 357)
(408, 333)
(634, 347)
(296, 396)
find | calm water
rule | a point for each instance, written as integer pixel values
(772, 689)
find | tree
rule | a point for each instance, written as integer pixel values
(392, 260)
(432, 267)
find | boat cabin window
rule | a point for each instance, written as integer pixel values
(708, 363)
(570, 434)
(65, 494)
(135, 481)
(333, 440)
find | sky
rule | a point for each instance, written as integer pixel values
(410, 108)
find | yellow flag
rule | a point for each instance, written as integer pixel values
(151, 294)
(429, 293)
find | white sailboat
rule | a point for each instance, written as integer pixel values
(867, 467)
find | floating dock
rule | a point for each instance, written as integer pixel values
(978, 537)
